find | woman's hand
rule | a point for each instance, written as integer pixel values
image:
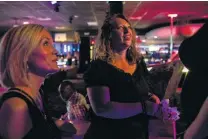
(153, 109)
(169, 113)
(66, 128)
(155, 99)
(162, 111)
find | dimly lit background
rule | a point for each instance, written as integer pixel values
(74, 25)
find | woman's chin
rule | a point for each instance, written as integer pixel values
(55, 69)
(127, 44)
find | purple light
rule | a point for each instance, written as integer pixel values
(53, 2)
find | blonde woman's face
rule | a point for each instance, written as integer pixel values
(121, 33)
(43, 59)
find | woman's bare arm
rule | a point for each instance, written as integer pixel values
(15, 119)
(102, 106)
(199, 127)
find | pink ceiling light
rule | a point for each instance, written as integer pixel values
(26, 22)
(172, 15)
(136, 18)
(189, 30)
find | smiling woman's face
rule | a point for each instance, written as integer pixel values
(121, 34)
(43, 59)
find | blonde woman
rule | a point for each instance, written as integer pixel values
(27, 55)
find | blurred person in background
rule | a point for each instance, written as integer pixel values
(76, 56)
(76, 104)
(27, 55)
(69, 59)
(194, 102)
(56, 107)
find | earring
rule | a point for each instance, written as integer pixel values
(27, 68)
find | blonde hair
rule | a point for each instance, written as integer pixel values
(103, 49)
(15, 48)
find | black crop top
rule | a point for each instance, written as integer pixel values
(43, 126)
(125, 88)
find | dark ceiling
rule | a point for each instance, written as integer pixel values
(144, 15)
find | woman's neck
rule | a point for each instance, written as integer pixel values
(120, 57)
(35, 82)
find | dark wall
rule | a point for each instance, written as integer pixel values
(84, 54)
(2, 33)
(116, 7)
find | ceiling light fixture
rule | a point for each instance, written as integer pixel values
(25, 23)
(53, 2)
(205, 16)
(76, 16)
(15, 25)
(155, 37)
(172, 15)
(136, 18)
(92, 23)
(44, 19)
(60, 27)
(86, 33)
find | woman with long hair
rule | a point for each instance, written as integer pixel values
(116, 86)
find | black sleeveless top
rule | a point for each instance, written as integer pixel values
(124, 88)
(43, 126)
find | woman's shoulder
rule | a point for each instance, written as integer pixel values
(97, 72)
(13, 112)
(96, 66)
(14, 104)
(13, 100)
(98, 62)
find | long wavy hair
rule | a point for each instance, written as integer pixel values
(104, 49)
